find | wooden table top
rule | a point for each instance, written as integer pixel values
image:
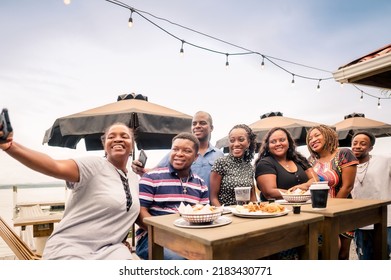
(238, 228)
(343, 206)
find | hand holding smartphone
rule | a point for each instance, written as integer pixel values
(5, 125)
(142, 158)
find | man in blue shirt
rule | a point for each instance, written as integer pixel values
(201, 127)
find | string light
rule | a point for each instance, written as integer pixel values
(226, 61)
(130, 21)
(67, 2)
(318, 87)
(181, 50)
(371, 95)
(270, 59)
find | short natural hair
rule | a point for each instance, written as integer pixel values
(370, 135)
(103, 137)
(188, 136)
(330, 137)
(210, 120)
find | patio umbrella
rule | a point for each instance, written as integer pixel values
(154, 125)
(355, 122)
(298, 128)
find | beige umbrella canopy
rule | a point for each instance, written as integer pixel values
(298, 128)
(355, 122)
(154, 125)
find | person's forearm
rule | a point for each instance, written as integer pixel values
(214, 201)
(140, 219)
(344, 192)
(37, 161)
(305, 186)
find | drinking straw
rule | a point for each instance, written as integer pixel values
(313, 176)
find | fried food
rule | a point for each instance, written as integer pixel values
(261, 207)
(296, 191)
(204, 208)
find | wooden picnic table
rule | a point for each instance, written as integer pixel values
(343, 215)
(244, 238)
(42, 223)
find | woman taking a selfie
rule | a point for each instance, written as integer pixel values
(103, 203)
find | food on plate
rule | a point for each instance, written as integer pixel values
(205, 208)
(296, 191)
(198, 209)
(260, 207)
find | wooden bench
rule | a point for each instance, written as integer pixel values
(55, 203)
(21, 250)
(42, 223)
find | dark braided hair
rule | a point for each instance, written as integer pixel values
(249, 153)
(292, 153)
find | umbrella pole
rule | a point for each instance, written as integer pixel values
(134, 224)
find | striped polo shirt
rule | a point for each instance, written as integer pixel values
(162, 191)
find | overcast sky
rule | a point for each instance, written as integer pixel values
(61, 59)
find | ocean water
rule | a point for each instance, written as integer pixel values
(25, 193)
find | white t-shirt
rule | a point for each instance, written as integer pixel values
(95, 220)
(373, 181)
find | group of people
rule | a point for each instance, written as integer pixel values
(107, 199)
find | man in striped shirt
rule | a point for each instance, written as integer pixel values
(161, 190)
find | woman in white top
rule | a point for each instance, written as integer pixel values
(103, 204)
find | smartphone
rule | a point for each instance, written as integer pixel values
(142, 158)
(5, 125)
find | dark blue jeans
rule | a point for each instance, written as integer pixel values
(364, 243)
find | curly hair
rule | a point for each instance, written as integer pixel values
(330, 137)
(292, 153)
(251, 136)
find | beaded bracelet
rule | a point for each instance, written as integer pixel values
(9, 146)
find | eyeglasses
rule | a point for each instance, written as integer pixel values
(125, 184)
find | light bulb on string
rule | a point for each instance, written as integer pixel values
(181, 52)
(263, 63)
(318, 87)
(293, 80)
(341, 84)
(67, 2)
(362, 96)
(130, 21)
(226, 62)
(378, 103)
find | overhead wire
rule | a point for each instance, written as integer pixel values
(247, 51)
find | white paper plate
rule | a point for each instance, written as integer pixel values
(227, 210)
(259, 214)
(221, 221)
